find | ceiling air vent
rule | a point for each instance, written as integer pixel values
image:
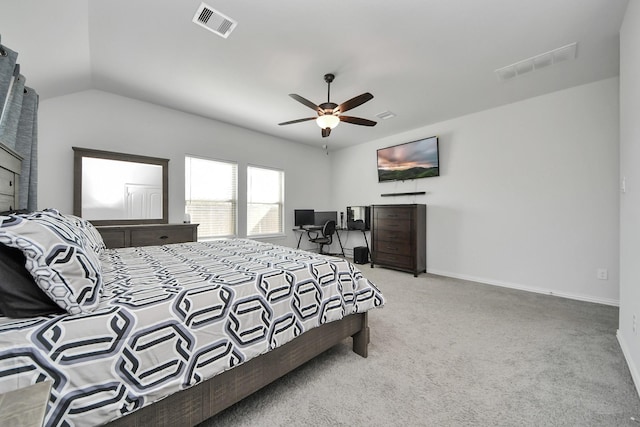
(537, 62)
(214, 21)
(386, 115)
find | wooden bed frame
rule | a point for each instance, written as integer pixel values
(202, 401)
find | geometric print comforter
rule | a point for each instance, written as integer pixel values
(172, 316)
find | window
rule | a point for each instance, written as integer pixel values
(211, 197)
(265, 201)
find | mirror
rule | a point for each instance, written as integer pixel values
(117, 189)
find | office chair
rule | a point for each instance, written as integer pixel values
(326, 238)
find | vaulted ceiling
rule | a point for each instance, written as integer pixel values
(425, 61)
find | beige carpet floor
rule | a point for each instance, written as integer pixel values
(448, 352)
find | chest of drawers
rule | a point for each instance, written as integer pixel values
(10, 164)
(124, 236)
(399, 237)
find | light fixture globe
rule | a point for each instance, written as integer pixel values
(328, 121)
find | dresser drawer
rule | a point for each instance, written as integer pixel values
(7, 182)
(393, 214)
(392, 235)
(403, 225)
(7, 203)
(114, 238)
(160, 236)
(395, 260)
(391, 247)
(124, 236)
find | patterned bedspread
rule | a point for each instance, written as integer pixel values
(172, 316)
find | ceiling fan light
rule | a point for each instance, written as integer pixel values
(328, 121)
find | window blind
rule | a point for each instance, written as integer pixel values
(211, 196)
(265, 201)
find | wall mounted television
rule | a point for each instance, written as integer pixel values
(411, 160)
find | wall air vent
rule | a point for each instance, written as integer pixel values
(214, 21)
(537, 62)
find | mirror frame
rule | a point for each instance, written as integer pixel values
(80, 153)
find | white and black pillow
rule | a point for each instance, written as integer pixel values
(59, 256)
(20, 296)
(93, 236)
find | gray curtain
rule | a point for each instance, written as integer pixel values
(18, 124)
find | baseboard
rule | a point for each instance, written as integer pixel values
(586, 298)
(635, 376)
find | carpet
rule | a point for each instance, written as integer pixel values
(448, 352)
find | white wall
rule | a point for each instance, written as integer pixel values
(100, 120)
(630, 199)
(527, 197)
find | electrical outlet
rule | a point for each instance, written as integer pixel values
(634, 324)
(602, 274)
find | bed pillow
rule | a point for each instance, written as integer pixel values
(58, 257)
(93, 238)
(20, 296)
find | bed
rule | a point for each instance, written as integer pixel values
(164, 335)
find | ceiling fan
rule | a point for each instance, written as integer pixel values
(329, 113)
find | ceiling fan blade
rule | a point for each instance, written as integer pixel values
(304, 101)
(326, 132)
(297, 121)
(357, 121)
(354, 102)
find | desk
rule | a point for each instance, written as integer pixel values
(302, 231)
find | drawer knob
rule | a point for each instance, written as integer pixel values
(164, 237)
(10, 183)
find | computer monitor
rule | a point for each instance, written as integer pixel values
(322, 217)
(302, 217)
(358, 217)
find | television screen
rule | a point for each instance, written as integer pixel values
(411, 160)
(302, 217)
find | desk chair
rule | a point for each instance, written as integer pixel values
(328, 230)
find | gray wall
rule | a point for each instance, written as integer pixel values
(100, 120)
(527, 197)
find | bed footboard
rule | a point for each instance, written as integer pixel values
(202, 401)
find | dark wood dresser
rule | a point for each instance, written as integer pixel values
(124, 236)
(399, 237)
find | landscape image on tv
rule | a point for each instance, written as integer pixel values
(412, 160)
